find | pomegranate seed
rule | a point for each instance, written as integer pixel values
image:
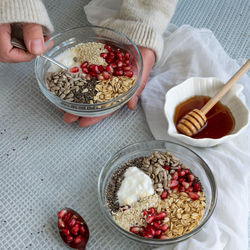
(69, 239)
(109, 60)
(72, 222)
(182, 173)
(150, 230)
(84, 64)
(142, 229)
(128, 73)
(61, 223)
(149, 236)
(113, 65)
(187, 171)
(185, 184)
(163, 227)
(156, 224)
(67, 217)
(126, 68)
(166, 167)
(88, 77)
(173, 183)
(190, 177)
(110, 69)
(61, 213)
(197, 187)
(175, 176)
(193, 196)
(117, 51)
(190, 189)
(150, 219)
(182, 189)
(160, 216)
(108, 48)
(75, 229)
(181, 180)
(164, 194)
(111, 54)
(100, 77)
(163, 237)
(96, 69)
(74, 70)
(127, 55)
(120, 57)
(127, 62)
(158, 232)
(119, 64)
(145, 212)
(78, 239)
(100, 68)
(118, 72)
(105, 75)
(93, 74)
(151, 210)
(85, 70)
(135, 230)
(66, 231)
(104, 55)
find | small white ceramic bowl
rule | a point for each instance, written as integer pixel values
(206, 87)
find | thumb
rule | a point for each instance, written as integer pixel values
(33, 38)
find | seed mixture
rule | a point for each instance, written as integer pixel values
(104, 73)
(90, 52)
(173, 210)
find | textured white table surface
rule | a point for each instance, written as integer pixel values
(46, 165)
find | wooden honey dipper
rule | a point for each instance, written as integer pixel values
(195, 120)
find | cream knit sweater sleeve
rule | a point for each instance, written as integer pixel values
(143, 21)
(25, 11)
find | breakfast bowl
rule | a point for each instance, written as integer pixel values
(197, 86)
(133, 220)
(112, 71)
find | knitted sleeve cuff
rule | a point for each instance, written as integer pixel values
(143, 21)
(25, 11)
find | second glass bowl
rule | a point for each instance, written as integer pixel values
(72, 37)
(189, 158)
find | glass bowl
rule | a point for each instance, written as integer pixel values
(70, 38)
(186, 156)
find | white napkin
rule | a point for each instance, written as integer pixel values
(193, 52)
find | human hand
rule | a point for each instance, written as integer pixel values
(148, 58)
(34, 42)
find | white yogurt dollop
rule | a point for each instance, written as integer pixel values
(135, 185)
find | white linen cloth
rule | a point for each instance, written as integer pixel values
(192, 52)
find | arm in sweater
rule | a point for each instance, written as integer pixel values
(143, 21)
(25, 11)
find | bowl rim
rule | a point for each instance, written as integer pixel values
(132, 90)
(157, 242)
(200, 141)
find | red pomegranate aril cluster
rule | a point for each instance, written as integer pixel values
(184, 181)
(72, 228)
(155, 227)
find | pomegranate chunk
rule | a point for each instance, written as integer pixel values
(150, 219)
(160, 216)
(164, 194)
(135, 230)
(193, 196)
(197, 187)
(74, 70)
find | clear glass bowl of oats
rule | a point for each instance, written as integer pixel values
(104, 71)
(157, 192)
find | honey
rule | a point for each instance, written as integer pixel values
(220, 120)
